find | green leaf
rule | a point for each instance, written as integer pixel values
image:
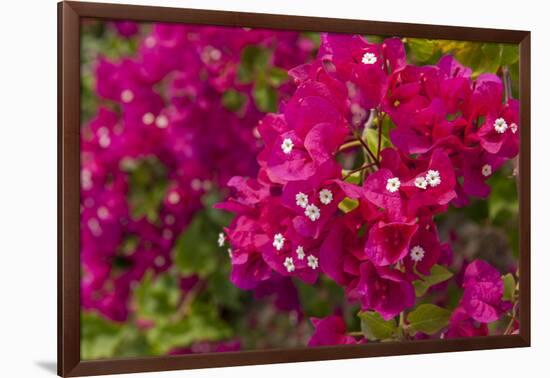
(196, 250)
(437, 275)
(233, 100)
(371, 136)
(348, 204)
(510, 54)
(422, 49)
(509, 287)
(147, 187)
(277, 76)
(265, 97)
(428, 318)
(201, 324)
(157, 297)
(254, 60)
(374, 327)
(99, 337)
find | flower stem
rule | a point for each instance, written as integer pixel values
(363, 167)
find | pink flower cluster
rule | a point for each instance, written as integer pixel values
(451, 133)
(164, 104)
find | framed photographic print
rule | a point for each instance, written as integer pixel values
(240, 188)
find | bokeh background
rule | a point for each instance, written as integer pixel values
(168, 116)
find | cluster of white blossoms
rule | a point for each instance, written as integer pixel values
(417, 253)
(310, 210)
(393, 184)
(500, 125)
(278, 241)
(312, 262)
(369, 58)
(287, 145)
(486, 170)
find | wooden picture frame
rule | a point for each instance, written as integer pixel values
(69, 19)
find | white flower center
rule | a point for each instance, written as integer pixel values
(433, 178)
(150, 42)
(312, 262)
(417, 253)
(486, 170)
(278, 241)
(369, 58)
(159, 261)
(514, 128)
(500, 125)
(289, 264)
(170, 219)
(325, 196)
(148, 118)
(393, 184)
(312, 212)
(230, 253)
(102, 213)
(161, 122)
(300, 252)
(127, 96)
(287, 145)
(221, 239)
(420, 182)
(301, 200)
(173, 198)
(104, 141)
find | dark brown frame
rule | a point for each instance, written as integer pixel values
(69, 16)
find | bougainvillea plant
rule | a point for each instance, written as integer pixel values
(354, 169)
(253, 189)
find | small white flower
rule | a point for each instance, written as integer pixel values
(215, 54)
(420, 182)
(369, 58)
(104, 140)
(167, 234)
(500, 125)
(312, 212)
(221, 239)
(174, 198)
(312, 262)
(230, 253)
(433, 178)
(417, 253)
(325, 196)
(278, 241)
(127, 96)
(514, 128)
(486, 170)
(160, 261)
(393, 184)
(161, 122)
(150, 42)
(102, 213)
(301, 200)
(289, 264)
(300, 252)
(148, 118)
(287, 145)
